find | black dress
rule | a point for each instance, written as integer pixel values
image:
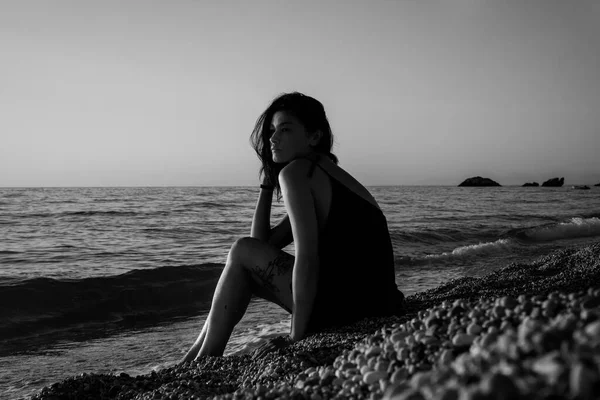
(356, 262)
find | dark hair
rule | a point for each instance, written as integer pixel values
(311, 114)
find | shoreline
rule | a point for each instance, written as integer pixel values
(540, 321)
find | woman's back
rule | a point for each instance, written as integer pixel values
(356, 261)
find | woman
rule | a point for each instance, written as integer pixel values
(344, 264)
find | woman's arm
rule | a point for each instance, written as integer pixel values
(281, 234)
(303, 219)
(261, 222)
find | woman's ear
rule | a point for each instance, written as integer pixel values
(315, 137)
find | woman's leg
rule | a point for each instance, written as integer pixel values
(253, 267)
(193, 351)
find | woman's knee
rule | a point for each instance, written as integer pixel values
(243, 249)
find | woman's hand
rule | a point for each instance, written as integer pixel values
(271, 345)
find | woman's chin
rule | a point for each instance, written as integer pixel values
(278, 159)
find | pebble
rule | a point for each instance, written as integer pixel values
(373, 351)
(549, 367)
(365, 369)
(399, 337)
(462, 339)
(403, 354)
(338, 382)
(382, 365)
(399, 375)
(430, 341)
(508, 302)
(448, 393)
(488, 339)
(432, 321)
(446, 357)
(395, 389)
(456, 311)
(582, 380)
(420, 379)
(348, 365)
(593, 330)
(374, 376)
(591, 303)
(473, 329)
(498, 311)
(500, 386)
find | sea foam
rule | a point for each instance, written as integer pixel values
(475, 249)
(574, 228)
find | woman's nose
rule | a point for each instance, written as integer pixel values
(274, 139)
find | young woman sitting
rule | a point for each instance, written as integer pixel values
(343, 269)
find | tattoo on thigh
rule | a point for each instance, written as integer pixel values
(284, 263)
(280, 265)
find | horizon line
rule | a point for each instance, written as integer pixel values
(257, 186)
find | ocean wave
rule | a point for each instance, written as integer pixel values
(490, 237)
(441, 236)
(576, 227)
(466, 251)
(475, 249)
(591, 215)
(13, 194)
(206, 204)
(96, 212)
(422, 237)
(30, 306)
(88, 213)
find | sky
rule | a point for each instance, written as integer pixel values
(427, 92)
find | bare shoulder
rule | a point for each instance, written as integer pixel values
(348, 180)
(296, 171)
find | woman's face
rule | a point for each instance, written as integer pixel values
(289, 139)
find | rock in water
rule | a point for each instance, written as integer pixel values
(479, 181)
(554, 182)
(531, 184)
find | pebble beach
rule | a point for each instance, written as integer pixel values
(523, 331)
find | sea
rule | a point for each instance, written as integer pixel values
(111, 280)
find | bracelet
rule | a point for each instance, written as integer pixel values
(267, 187)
